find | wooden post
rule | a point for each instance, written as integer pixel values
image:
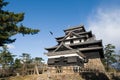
(43, 68)
(23, 69)
(36, 69)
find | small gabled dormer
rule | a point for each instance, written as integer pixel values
(74, 35)
(73, 38)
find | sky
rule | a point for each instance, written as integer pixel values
(102, 17)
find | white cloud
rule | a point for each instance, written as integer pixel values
(106, 26)
(10, 46)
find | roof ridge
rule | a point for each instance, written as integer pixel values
(76, 26)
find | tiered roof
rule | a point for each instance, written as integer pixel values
(76, 40)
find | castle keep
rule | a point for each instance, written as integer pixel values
(78, 49)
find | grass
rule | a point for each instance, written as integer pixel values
(45, 77)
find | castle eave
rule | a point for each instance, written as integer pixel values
(76, 27)
(87, 42)
(60, 52)
(75, 44)
(81, 33)
(92, 48)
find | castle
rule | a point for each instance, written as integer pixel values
(78, 49)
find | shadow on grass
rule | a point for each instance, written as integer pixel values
(115, 77)
(94, 76)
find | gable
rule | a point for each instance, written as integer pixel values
(71, 35)
(62, 47)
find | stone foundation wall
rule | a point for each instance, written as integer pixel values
(64, 69)
(94, 64)
(68, 69)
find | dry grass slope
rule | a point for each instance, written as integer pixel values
(46, 77)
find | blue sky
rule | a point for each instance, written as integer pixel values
(57, 15)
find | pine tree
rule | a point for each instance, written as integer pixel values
(9, 25)
(6, 58)
(109, 55)
(17, 64)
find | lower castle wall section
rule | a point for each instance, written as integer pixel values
(94, 64)
(65, 69)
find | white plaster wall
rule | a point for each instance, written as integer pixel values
(67, 42)
(76, 41)
(66, 55)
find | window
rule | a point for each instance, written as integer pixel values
(71, 41)
(80, 40)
